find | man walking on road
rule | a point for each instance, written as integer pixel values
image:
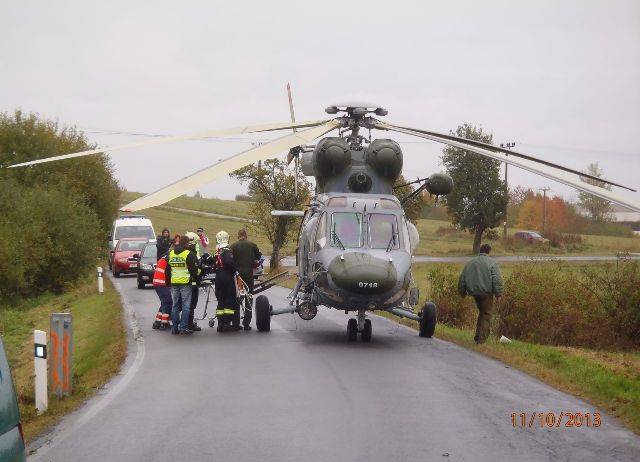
(481, 279)
(182, 269)
(245, 255)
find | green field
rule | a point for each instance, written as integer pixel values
(99, 339)
(460, 243)
(223, 207)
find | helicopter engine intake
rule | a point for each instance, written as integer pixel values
(385, 157)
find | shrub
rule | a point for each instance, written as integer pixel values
(244, 198)
(548, 305)
(567, 242)
(491, 234)
(617, 289)
(453, 310)
(597, 307)
(47, 239)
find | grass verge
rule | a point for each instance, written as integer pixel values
(100, 347)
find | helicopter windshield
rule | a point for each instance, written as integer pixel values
(346, 229)
(383, 231)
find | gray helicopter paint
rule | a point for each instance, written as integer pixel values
(361, 271)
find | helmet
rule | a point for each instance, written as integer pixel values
(193, 237)
(222, 239)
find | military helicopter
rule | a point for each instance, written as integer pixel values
(355, 243)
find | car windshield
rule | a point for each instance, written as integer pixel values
(127, 246)
(123, 232)
(533, 234)
(383, 231)
(346, 229)
(150, 251)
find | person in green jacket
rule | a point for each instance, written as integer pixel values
(245, 256)
(481, 279)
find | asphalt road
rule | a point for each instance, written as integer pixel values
(302, 393)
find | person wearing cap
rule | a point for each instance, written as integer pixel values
(227, 312)
(481, 279)
(245, 255)
(204, 240)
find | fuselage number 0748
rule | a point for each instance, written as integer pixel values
(368, 285)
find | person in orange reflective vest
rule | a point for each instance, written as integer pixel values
(161, 285)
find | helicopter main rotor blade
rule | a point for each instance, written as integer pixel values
(224, 167)
(524, 164)
(170, 139)
(490, 147)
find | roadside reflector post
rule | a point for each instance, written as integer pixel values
(40, 366)
(100, 281)
(61, 350)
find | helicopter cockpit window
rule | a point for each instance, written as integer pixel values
(321, 233)
(383, 231)
(337, 202)
(346, 230)
(389, 204)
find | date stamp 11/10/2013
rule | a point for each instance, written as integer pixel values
(556, 419)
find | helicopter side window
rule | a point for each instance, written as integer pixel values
(320, 239)
(346, 230)
(383, 231)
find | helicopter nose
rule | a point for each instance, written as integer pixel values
(363, 273)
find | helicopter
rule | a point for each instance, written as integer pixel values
(355, 243)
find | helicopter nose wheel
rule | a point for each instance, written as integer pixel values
(360, 325)
(352, 330)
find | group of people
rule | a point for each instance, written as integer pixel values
(178, 276)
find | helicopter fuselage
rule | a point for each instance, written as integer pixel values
(355, 252)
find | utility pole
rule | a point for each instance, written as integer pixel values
(508, 145)
(544, 208)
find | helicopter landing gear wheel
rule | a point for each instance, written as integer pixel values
(263, 314)
(352, 330)
(366, 331)
(428, 320)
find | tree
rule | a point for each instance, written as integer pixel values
(598, 209)
(479, 196)
(88, 179)
(271, 185)
(531, 214)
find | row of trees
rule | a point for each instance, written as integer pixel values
(53, 218)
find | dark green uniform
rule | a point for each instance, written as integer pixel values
(245, 253)
(481, 279)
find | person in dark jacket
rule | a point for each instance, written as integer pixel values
(163, 242)
(182, 270)
(245, 256)
(481, 279)
(228, 312)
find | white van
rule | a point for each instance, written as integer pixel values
(138, 226)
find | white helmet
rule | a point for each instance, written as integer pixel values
(222, 239)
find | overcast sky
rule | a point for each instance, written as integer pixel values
(560, 78)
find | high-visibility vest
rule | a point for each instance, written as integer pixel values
(179, 271)
(159, 276)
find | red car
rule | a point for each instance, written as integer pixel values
(122, 259)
